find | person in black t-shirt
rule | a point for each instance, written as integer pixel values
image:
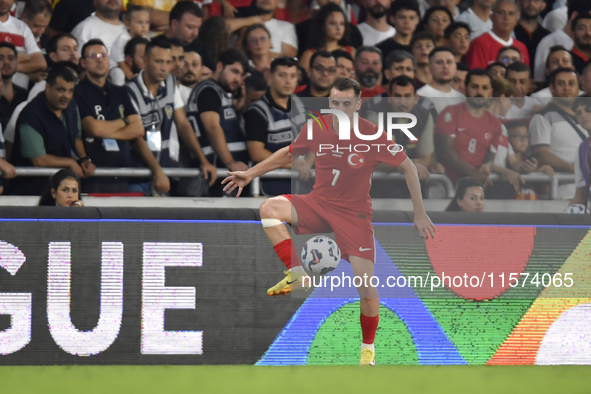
(67, 14)
(12, 95)
(109, 119)
(405, 16)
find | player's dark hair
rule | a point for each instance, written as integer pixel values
(453, 26)
(339, 53)
(131, 8)
(422, 36)
(518, 67)
(554, 74)
(46, 198)
(400, 5)
(344, 84)
(478, 72)
(92, 42)
(317, 54)
(436, 50)
(64, 70)
(285, 61)
(461, 66)
(463, 186)
(54, 41)
(402, 81)
(184, 7)
(131, 46)
(398, 56)
(233, 55)
(36, 7)
(164, 44)
(5, 44)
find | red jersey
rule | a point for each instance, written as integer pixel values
(485, 48)
(474, 137)
(344, 168)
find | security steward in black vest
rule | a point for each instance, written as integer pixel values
(212, 114)
(48, 133)
(273, 121)
(109, 119)
(403, 98)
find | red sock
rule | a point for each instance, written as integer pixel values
(286, 252)
(369, 325)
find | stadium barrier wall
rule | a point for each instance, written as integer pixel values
(188, 286)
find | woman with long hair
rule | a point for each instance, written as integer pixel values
(214, 33)
(328, 31)
(62, 190)
(469, 196)
(257, 45)
(435, 21)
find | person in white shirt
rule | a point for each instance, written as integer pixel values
(558, 57)
(478, 17)
(554, 131)
(376, 27)
(30, 58)
(103, 24)
(442, 65)
(562, 37)
(284, 40)
(137, 22)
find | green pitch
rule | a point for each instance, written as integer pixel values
(304, 380)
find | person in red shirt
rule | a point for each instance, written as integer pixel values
(484, 49)
(468, 136)
(340, 201)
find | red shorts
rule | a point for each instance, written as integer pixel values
(353, 231)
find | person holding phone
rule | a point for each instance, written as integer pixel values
(518, 158)
(62, 190)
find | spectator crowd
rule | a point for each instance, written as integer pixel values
(497, 87)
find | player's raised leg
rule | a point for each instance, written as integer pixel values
(370, 307)
(274, 211)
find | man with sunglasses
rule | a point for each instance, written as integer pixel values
(582, 109)
(109, 119)
(322, 73)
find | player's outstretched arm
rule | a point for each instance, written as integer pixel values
(422, 222)
(239, 179)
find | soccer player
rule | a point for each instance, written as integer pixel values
(340, 201)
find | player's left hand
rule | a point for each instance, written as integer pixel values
(236, 179)
(425, 226)
(210, 172)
